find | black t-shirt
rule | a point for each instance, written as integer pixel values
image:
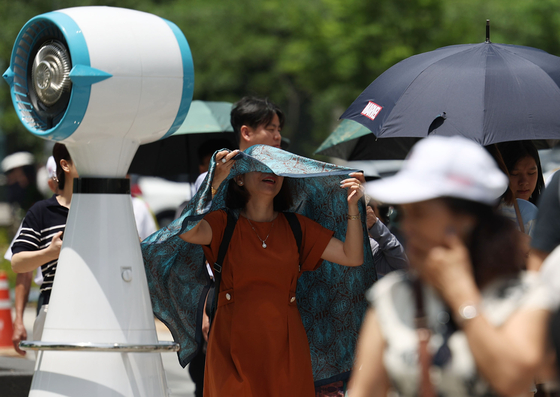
(546, 235)
(43, 220)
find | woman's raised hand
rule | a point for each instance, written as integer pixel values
(355, 189)
(448, 268)
(224, 162)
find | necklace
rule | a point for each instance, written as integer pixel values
(262, 241)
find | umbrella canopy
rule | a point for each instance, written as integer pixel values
(178, 153)
(205, 117)
(486, 92)
(352, 141)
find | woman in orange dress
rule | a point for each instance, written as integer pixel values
(257, 345)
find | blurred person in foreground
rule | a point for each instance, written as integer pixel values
(465, 321)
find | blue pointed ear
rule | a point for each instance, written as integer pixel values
(9, 76)
(82, 75)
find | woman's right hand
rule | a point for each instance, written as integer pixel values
(224, 162)
(449, 270)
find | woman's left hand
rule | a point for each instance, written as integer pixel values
(355, 189)
(449, 270)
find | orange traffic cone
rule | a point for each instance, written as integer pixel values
(6, 328)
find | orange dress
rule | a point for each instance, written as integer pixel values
(257, 345)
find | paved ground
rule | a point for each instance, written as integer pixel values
(178, 379)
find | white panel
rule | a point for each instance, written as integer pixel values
(88, 374)
(142, 54)
(89, 273)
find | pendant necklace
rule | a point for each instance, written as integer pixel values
(262, 241)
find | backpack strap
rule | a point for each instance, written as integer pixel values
(296, 230)
(217, 268)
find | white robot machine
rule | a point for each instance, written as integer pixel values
(103, 81)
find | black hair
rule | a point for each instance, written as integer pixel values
(514, 151)
(60, 153)
(238, 196)
(252, 112)
(494, 244)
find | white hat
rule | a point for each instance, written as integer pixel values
(51, 167)
(443, 167)
(16, 160)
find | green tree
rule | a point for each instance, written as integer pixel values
(312, 57)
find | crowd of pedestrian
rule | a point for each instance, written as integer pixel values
(277, 264)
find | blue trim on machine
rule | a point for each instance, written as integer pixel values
(37, 28)
(188, 78)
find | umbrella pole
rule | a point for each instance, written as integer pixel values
(503, 167)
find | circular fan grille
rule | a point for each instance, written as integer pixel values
(50, 70)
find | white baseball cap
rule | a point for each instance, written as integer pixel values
(443, 167)
(15, 160)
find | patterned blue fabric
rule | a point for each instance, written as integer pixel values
(331, 299)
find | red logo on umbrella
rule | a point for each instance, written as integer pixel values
(371, 110)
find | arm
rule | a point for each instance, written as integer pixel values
(23, 285)
(27, 261)
(369, 377)
(200, 234)
(387, 250)
(351, 251)
(536, 259)
(507, 356)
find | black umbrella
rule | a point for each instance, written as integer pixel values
(486, 92)
(177, 157)
(352, 141)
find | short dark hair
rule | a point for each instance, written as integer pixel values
(237, 196)
(253, 111)
(514, 151)
(494, 245)
(60, 153)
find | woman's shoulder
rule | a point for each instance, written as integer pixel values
(396, 280)
(216, 214)
(506, 295)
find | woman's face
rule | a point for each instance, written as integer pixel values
(261, 184)
(523, 178)
(427, 224)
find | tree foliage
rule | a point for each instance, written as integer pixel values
(311, 57)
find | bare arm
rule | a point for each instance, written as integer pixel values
(507, 356)
(200, 234)
(536, 259)
(23, 285)
(351, 251)
(369, 378)
(27, 261)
